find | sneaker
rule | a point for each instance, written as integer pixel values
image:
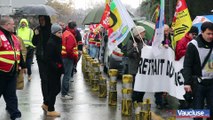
(53, 114)
(44, 107)
(17, 119)
(66, 97)
(29, 77)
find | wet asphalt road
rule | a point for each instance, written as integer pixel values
(86, 104)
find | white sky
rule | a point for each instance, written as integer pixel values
(84, 4)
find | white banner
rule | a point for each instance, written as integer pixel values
(160, 73)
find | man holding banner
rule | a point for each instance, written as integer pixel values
(134, 46)
(198, 69)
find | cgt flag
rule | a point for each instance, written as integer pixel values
(182, 22)
(120, 24)
(105, 17)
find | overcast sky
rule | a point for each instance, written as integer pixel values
(84, 4)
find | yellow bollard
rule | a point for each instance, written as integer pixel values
(126, 94)
(126, 101)
(145, 113)
(102, 87)
(112, 98)
(137, 107)
(113, 87)
(87, 70)
(95, 85)
(127, 80)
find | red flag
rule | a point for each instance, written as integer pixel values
(105, 17)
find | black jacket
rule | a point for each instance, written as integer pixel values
(53, 55)
(192, 63)
(78, 38)
(133, 55)
(40, 40)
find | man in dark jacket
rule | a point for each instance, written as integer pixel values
(198, 70)
(10, 52)
(134, 47)
(41, 36)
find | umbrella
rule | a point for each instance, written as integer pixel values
(149, 27)
(37, 10)
(201, 19)
(94, 16)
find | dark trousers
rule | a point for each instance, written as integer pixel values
(44, 80)
(200, 93)
(75, 64)
(159, 98)
(136, 96)
(54, 87)
(29, 59)
(8, 90)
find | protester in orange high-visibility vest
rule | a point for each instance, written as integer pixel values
(69, 56)
(10, 59)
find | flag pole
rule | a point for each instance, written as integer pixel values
(144, 44)
(134, 40)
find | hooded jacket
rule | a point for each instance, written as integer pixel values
(25, 33)
(40, 40)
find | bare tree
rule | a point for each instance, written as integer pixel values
(65, 10)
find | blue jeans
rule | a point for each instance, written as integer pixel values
(200, 93)
(68, 67)
(92, 50)
(8, 90)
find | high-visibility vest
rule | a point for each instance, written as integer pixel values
(26, 35)
(64, 51)
(9, 54)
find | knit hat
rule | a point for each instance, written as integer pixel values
(137, 30)
(55, 28)
(193, 30)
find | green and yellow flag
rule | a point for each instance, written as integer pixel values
(182, 22)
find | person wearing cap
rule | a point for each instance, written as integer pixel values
(54, 67)
(134, 47)
(181, 45)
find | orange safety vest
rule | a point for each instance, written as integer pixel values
(8, 54)
(75, 49)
